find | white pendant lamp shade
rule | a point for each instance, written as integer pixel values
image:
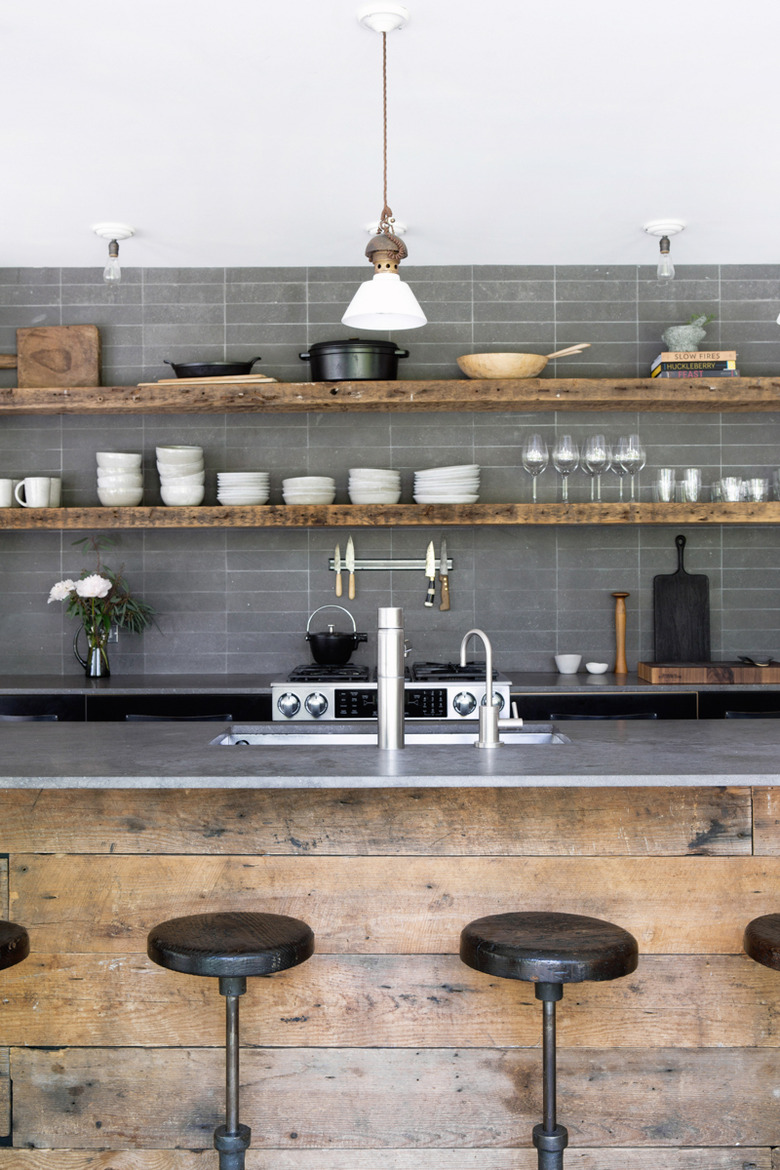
(384, 302)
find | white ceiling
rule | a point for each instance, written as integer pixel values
(246, 132)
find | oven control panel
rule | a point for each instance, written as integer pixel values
(325, 701)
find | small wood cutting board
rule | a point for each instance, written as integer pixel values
(707, 672)
(58, 355)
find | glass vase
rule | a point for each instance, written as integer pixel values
(96, 662)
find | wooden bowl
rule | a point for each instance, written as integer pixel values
(502, 365)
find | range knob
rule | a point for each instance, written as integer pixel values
(464, 702)
(498, 700)
(316, 704)
(289, 704)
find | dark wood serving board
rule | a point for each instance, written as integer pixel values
(681, 613)
(707, 672)
(58, 355)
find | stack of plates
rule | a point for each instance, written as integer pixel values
(181, 475)
(242, 487)
(447, 485)
(374, 485)
(309, 489)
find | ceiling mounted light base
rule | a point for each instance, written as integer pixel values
(383, 16)
(664, 227)
(113, 231)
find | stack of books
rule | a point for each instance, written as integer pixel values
(697, 363)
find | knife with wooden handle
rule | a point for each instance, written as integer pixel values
(337, 567)
(350, 563)
(444, 577)
(430, 573)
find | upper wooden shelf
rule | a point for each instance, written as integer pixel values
(458, 394)
(386, 515)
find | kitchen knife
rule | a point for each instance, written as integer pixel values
(350, 563)
(337, 567)
(430, 573)
(444, 577)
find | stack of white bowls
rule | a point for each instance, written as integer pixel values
(374, 485)
(309, 489)
(181, 475)
(119, 478)
(243, 487)
(447, 485)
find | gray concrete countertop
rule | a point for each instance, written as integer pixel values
(615, 754)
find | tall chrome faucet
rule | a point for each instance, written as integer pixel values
(390, 678)
(488, 714)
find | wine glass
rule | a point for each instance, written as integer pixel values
(618, 466)
(535, 458)
(633, 458)
(565, 457)
(596, 458)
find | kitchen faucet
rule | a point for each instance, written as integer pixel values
(391, 653)
(489, 722)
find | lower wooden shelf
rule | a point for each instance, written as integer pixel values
(386, 515)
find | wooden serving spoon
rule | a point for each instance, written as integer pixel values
(578, 348)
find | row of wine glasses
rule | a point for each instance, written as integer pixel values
(597, 456)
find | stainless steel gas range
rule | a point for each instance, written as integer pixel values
(433, 690)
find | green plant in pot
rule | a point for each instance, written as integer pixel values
(100, 599)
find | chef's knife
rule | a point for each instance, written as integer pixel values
(430, 573)
(444, 577)
(337, 567)
(350, 563)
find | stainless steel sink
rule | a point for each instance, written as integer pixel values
(342, 735)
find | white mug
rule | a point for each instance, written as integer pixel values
(37, 491)
(6, 493)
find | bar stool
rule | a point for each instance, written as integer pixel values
(230, 946)
(14, 944)
(548, 950)
(762, 940)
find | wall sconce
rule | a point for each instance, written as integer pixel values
(113, 232)
(664, 228)
(384, 302)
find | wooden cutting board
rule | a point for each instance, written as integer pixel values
(707, 672)
(681, 613)
(58, 355)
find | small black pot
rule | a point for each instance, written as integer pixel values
(211, 369)
(329, 647)
(353, 360)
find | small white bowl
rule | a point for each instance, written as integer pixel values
(182, 497)
(180, 468)
(190, 480)
(596, 667)
(111, 479)
(120, 497)
(118, 460)
(179, 454)
(568, 663)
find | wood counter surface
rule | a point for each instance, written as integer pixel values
(384, 1052)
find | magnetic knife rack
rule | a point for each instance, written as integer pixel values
(417, 566)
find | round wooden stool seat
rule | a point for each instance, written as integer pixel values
(762, 940)
(544, 947)
(230, 944)
(14, 944)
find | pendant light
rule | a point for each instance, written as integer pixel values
(384, 302)
(664, 228)
(113, 232)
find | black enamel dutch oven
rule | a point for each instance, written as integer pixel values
(353, 360)
(211, 369)
(329, 647)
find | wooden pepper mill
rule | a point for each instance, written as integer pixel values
(621, 666)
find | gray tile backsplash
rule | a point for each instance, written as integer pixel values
(237, 600)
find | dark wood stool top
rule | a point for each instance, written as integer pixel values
(14, 944)
(230, 944)
(545, 947)
(762, 940)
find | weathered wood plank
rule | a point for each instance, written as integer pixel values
(414, 905)
(387, 1000)
(366, 1098)
(5, 1099)
(427, 822)
(766, 822)
(387, 515)
(738, 1158)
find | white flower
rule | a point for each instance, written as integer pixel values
(93, 586)
(61, 590)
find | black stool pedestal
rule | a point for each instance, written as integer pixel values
(230, 947)
(548, 950)
(14, 944)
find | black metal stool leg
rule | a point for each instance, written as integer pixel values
(550, 1138)
(231, 1139)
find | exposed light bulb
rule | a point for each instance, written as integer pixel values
(112, 273)
(665, 269)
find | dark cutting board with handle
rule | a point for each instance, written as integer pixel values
(681, 610)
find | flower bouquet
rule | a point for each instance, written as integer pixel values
(100, 600)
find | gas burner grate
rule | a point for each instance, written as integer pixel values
(313, 672)
(449, 671)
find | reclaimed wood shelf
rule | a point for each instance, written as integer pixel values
(387, 515)
(457, 394)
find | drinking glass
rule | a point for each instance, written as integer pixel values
(731, 488)
(664, 485)
(756, 490)
(622, 450)
(690, 488)
(565, 457)
(535, 459)
(634, 458)
(596, 459)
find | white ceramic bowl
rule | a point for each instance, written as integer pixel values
(182, 497)
(183, 468)
(179, 454)
(191, 480)
(596, 667)
(110, 479)
(118, 460)
(120, 497)
(568, 663)
(367, 497)
(309, 481)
